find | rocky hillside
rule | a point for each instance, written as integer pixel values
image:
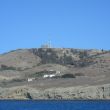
(55, 73)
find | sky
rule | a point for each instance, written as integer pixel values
(66, 23)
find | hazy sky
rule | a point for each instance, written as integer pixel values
(67, 23)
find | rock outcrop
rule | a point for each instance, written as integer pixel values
(91, 92)
(80, 92)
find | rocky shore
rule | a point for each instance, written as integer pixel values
(80, 92)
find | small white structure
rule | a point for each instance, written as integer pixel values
(45, 76)
(58, 72)
(51, 70)
(48, 76)
(52, 75)
(30, 79)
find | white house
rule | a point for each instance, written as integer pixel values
(45, 76)
(30, 79)
(48, 76)
(52, 75)
(58, 72)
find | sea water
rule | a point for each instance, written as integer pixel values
(55, 105)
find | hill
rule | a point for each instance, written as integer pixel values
(48, 68)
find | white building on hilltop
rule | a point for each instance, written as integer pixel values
(47, 45)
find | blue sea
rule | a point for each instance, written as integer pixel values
(55, 105)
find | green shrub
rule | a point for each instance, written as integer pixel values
(17, 80)
(79, 74)
(38, 74)
(5, 67)
(68, 76)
